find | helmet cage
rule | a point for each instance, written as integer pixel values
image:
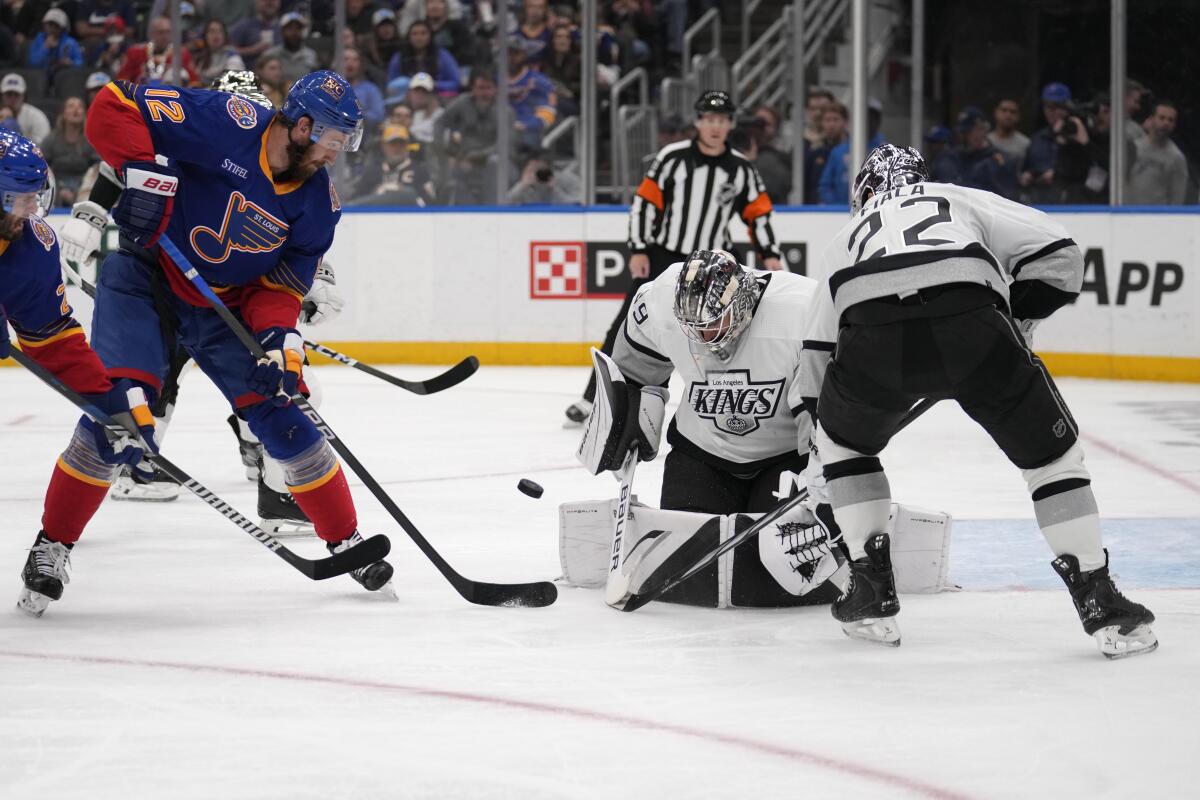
(887, 167)
(714, 302)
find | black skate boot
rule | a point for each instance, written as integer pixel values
(250, 451)
(44, 574)
(868, 607)
(1120, 626)
(577, 413)
(280, 514)
(375, 577)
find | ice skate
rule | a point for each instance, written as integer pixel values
(375, 577)
(577, 413)
(868, 607)
(128, 487)
(44, 575)
(280, 514)
(251, 451)
(1120, 626)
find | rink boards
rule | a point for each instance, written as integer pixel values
(538, 286)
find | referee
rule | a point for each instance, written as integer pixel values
(683, 205)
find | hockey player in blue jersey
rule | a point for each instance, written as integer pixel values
(34, 300)
(244, 194)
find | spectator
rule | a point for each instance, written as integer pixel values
(270, 75)
(531, 96)
(54, 48)
(92, 16)
(1096, 187)
(562, 67)
(540, 184)
(939, 155)
(675, 21)
(393, 177)
(8, 121)
(773, 164)
(192, 23)
(1135, 97)
(633, 25)
(1004, 136)
(833, 132)
(215, 55)
(296, 59)
(152, 61)
(1056, 163)
(384, 42)
(1159, 174)
(414, 10)
(466, 133)
(95, 82)
(426, 108)
(535, 31)
(109, 53)
(67, 151)
(420, 54)
(816, 104)
(452, 35)
(979, 164)
(399, 113)
(834, 187)
(360, 16)
(252, 36)
(368, 94)
(32, 123)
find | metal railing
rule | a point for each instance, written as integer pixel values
(640, 127)
(748, 9)
(760, 75)
(710, 21)
(618, 116)
(559, 132)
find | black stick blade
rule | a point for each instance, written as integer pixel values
(510, 595)
(451, 377)
(368, 552)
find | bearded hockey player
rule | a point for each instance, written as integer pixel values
(80, 240)
(739, 439)
(244, 194)
(929, 289)
(33, 299)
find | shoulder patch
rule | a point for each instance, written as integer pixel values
(43, 232)
(335, 202)
(242, 111)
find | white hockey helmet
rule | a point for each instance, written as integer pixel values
(715, 298)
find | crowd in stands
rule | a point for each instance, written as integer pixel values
(426, 74)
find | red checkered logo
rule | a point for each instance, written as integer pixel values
(556, 270)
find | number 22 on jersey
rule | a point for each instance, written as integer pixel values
(903, 225)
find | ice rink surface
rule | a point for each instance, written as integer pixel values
(185, 661)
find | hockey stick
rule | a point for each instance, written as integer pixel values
(368, 552)
(451, 377)
(656, 584)
(536, 594)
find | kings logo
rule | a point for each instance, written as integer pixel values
(733, 402)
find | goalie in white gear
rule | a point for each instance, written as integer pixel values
(739, 439)
(81, 242)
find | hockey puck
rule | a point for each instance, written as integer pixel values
(526, 486)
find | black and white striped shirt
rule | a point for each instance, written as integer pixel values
(686, 199)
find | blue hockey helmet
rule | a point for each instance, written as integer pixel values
(328, 99)
(23, 171)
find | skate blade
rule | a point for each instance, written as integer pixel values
(284, 529)
(881, 630)
(570, 423)
(388, 591)
(137, 496)
(32, 603)
(1114, 645)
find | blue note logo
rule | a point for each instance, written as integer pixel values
(246, 228)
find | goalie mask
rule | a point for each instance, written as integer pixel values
(887, 167)
(714, 302)
(242, 82)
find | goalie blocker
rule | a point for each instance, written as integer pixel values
(794, 566)
(625, 415)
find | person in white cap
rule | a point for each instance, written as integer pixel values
(54, 46)
(95, 82)
(295, 57)
(33, 123)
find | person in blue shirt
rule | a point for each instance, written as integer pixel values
(54, 47)
(420, 54)
(367, 92)
(834, 187)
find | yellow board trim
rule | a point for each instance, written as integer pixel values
(79, 476)
(575, 354)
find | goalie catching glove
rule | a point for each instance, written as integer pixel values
(624, 416)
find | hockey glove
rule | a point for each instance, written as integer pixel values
(277, 376)
(146, 204)
(79, 238)
(126, 404)
(623, 416)
(323, 301)
(4, 341)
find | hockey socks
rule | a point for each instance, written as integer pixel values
(319, 486)
(77, 488)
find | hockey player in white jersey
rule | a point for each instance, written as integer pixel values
(733, 334)
(933, 291)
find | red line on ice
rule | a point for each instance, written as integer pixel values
(1146, 465)
(854, 770)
